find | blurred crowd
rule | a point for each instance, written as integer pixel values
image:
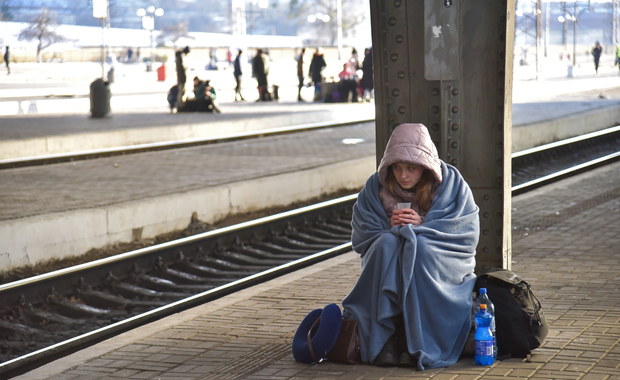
(353, 83)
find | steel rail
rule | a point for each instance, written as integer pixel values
(578, 164)
(530, 185)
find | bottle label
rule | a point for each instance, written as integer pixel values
(484, 348)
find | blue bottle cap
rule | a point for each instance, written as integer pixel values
(482, 290)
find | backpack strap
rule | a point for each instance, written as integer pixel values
(537, 305)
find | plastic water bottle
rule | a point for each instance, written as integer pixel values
(483, 298)
(483, 337)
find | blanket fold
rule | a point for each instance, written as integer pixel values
(425, 273)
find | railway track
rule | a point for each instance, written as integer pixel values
(544, 164)
(51, 315)
(68, 309)
(166, 145)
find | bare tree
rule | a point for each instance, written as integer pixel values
(42, 29)
(173, 33)
(5, 10)
(301, 9)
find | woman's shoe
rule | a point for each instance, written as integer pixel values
(406, 360)
(389, 355)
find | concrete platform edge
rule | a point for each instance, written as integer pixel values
(75, 232)
(212, 126)
(534, 134)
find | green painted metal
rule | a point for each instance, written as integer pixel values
(448, 64)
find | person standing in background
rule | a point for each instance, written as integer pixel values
(229, 57)
(618, 57)
(238, 73)
(354, 61)
(367, 80)
(300, 73)
(597, 50)
(260, 69)
(181, 78)
(317, 64)
(7, 58)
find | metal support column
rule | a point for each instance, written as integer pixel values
(448, 64)
(615, 20)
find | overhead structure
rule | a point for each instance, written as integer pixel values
(448, 64)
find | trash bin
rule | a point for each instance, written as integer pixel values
(276, 90)
(99, 98)
(161, 73)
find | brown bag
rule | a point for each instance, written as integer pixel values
(347, 348)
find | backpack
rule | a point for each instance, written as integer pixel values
(172, 96)
(520, 324)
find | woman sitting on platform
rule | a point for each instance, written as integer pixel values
(204, 98)
(413, 300)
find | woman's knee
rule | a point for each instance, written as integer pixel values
(384, 247)
(387, 239)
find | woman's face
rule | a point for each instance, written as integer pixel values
(407, 174)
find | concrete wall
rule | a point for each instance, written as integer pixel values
(534, 134)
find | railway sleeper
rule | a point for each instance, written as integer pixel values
(188, 265)
(332, 241)
(8, 328)
(178, 275)
(167, 285)
(74, 307)
(221, 263)
(260, 253)
(131, 290)
(43, 317)
(295, 243)
(259, 262)
(241, 248)
(272, 247)
(335, 228)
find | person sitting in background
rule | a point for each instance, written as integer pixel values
(347, 87)
(210, 97)
(204, 98)
(172, 98)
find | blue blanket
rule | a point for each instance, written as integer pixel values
(425, 272)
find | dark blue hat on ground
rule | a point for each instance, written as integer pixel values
(317, 334)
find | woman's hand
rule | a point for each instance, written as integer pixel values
(405, 216)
